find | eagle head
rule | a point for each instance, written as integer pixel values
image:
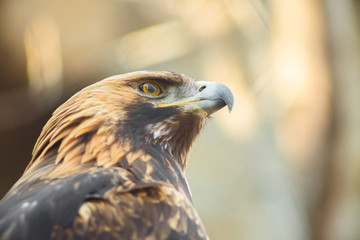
(158, 112)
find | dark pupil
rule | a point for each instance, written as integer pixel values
(150, 88)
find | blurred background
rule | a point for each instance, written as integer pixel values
(284, 165)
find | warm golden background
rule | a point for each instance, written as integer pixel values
(284, 165)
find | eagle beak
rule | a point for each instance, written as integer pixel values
(209, 96)
(212, 96)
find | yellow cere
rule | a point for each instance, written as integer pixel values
(177, 103)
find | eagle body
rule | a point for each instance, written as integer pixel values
(109, 164)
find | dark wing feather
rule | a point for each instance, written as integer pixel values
(48, 202)
(103, 204)
(132, 214)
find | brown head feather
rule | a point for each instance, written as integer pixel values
(87, 124)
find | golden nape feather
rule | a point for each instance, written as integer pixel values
(109, 163)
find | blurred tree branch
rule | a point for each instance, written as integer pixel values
(341, 205)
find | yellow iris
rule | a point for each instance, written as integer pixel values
(150, 88)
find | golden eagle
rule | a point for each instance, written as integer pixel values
(109, 163)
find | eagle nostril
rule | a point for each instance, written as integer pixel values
(202, 88)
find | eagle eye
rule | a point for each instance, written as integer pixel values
(150, 88)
